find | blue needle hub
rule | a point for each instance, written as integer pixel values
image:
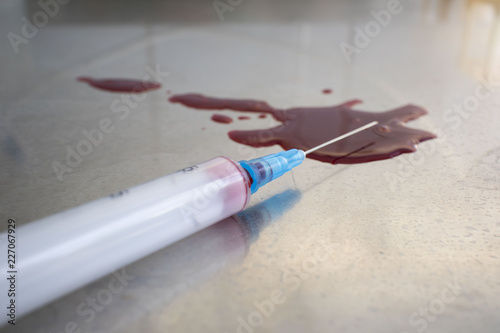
(265, 169)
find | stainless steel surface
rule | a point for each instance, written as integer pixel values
(409, 244)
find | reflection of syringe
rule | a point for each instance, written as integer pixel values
(201, 256)
(64, 251)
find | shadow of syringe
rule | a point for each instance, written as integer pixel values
(157, 280)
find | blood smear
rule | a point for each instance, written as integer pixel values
(307, 127)
(220, 118)
(121, 85)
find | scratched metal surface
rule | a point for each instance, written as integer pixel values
(403, 245)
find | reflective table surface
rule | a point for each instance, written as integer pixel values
(409, 244)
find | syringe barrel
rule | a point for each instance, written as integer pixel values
(65, 251)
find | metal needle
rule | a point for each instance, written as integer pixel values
(343, 136)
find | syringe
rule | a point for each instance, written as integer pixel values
(62, 252)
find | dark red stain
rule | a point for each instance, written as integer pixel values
(121, 85)
(307, 127)
(220, 118)
(327, 91)
(243, 117)
(262, 116)
(198, 101)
